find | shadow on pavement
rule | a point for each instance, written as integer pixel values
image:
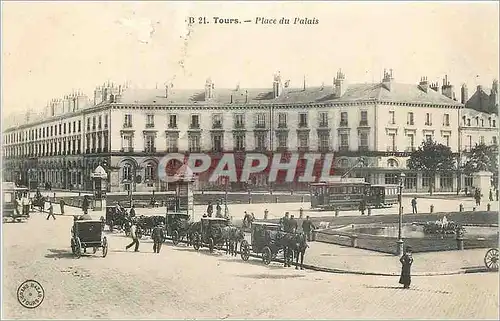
(65, 254)
(255, 261)
(401, 288)
(270, 276)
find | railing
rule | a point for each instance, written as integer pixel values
(343, 148)
(172, 149)
(343, 123)
(217, 125)
(302, 125)
(127, 149)
(150, 150)
(282, 125)
(194, 126)
(239, 125)
(323, 124)
(363, 123)
(172, 125)
(127, 125)
(260, 125)
(150, 125)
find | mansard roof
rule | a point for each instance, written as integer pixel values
(483, 102)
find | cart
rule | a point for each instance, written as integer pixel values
(88, 234)
(263, 242)
(491, 259)
(210, 233)
(176, 226)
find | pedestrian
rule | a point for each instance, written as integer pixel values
(61, 204)
(284, 222)
(491, 195)
(218, 210)
(301, 213)
(266, 213)
(414, 205)
(85, 204)
(210, 209)
(132, 211)
(133, 235)
(25, 205)
(158, 236)
(292, 224)
(496, 194)
(406, 262)
(307, 227)
(362, 206)
(51, 212)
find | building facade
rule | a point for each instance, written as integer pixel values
(129, 130)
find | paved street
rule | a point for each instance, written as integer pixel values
(182, 283)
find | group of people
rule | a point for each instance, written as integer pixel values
(289, 224)
(218, 209)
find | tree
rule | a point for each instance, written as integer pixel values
(482, 158)
(431, 158)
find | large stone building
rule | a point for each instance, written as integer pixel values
(129, 130)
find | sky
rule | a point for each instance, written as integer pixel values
(50, 49)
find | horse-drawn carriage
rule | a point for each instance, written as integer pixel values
(88, 234)
(491, 259)
(210, 233)
(116, 219)
(177, 226)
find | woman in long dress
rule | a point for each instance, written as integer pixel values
(406, 262)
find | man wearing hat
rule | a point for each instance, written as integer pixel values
(406, 262)
(135, 239)
(158, 236)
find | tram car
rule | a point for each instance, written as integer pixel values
(11, 209)
(348, 193)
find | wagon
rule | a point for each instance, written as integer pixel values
(210, 233)
(176, 226)
(264, 242)
(491, 259)
(88, 234)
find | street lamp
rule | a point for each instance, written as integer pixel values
(400, 242)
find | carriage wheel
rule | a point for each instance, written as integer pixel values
(491, 259)
(211, 245)
(266, 255)
(245, 251)
(175, 237)
(78, 248)
(196, 241)
(104, 246)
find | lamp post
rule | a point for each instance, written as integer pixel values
(400, 242)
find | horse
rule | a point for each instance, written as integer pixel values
(194, 227)
(226, 237)
(299, 249)
(286, 241)
(237, 236)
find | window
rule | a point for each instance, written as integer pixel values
(93, 124)
(410, 119)
(494, 123)
(88, 125)
(260, 141)
(469, 139)
(64, 129)
(324, 141)
(217, 121)
(411, 181)
(468, 121)
(302, 120)
(446, 120)
(363, 141)
(239, 141)
(391, 147)
(217, 142)
(149, 172)
(446, 140)
(99, 123)
(428, 138)
(195, 121)
(392, 117)
(282, 121)
(194, 143)
(482, 122)
(105, 121)
(391, 179)
(303, 140)
(150, 121)
(239, 121)
(127, 172)
(392, 163)
(343, 119)
(446, 180)
(426, 180)
(74, 127)
(411, 142)
(323, 119)
(149, 143)
(428, 119)
(172, 121)
(283, 140)
(344, 141)
(127, 143)
(172, 142)
(364, 118)
(260, 120)
(128, 121)
(79, 126)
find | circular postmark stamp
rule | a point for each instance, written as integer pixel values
(30, 294)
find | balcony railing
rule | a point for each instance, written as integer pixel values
(410, 122)
(127, 149)
(363, 123)
(323, 149)
(363, 148)
(217, 125)
(150, 125)
(343, 123)
(150, 150)
(303, 149)
(302, 125)
(344, 148)
(260, 125)
(194, 125)
(239, 125)
(323, 124)
(127, 125)
(194, 149)
(392, 149)
(173, 149)
(282, 125)
(172, 125)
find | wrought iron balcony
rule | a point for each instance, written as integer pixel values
(323, 124)
(343, 123)
(150, 125)
(127, 149)
(217, 125)
(363, 123)
(127, 125)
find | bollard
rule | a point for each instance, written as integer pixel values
(354, 240)
(474, 209)
(277, 199)
(369, 211)
(432, 209)
(336, 212)
(488, 207)
(461, 208)
(460, 243)
(302, 199)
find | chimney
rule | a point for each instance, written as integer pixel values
(231, 98)
(388, 79)
(424, 84)
(277, 86)
(464, 97)
(105, 94)
(97, 96)
(338, 84)
(209, 89)
(435, 86)
(494, 94)
(447, 89)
